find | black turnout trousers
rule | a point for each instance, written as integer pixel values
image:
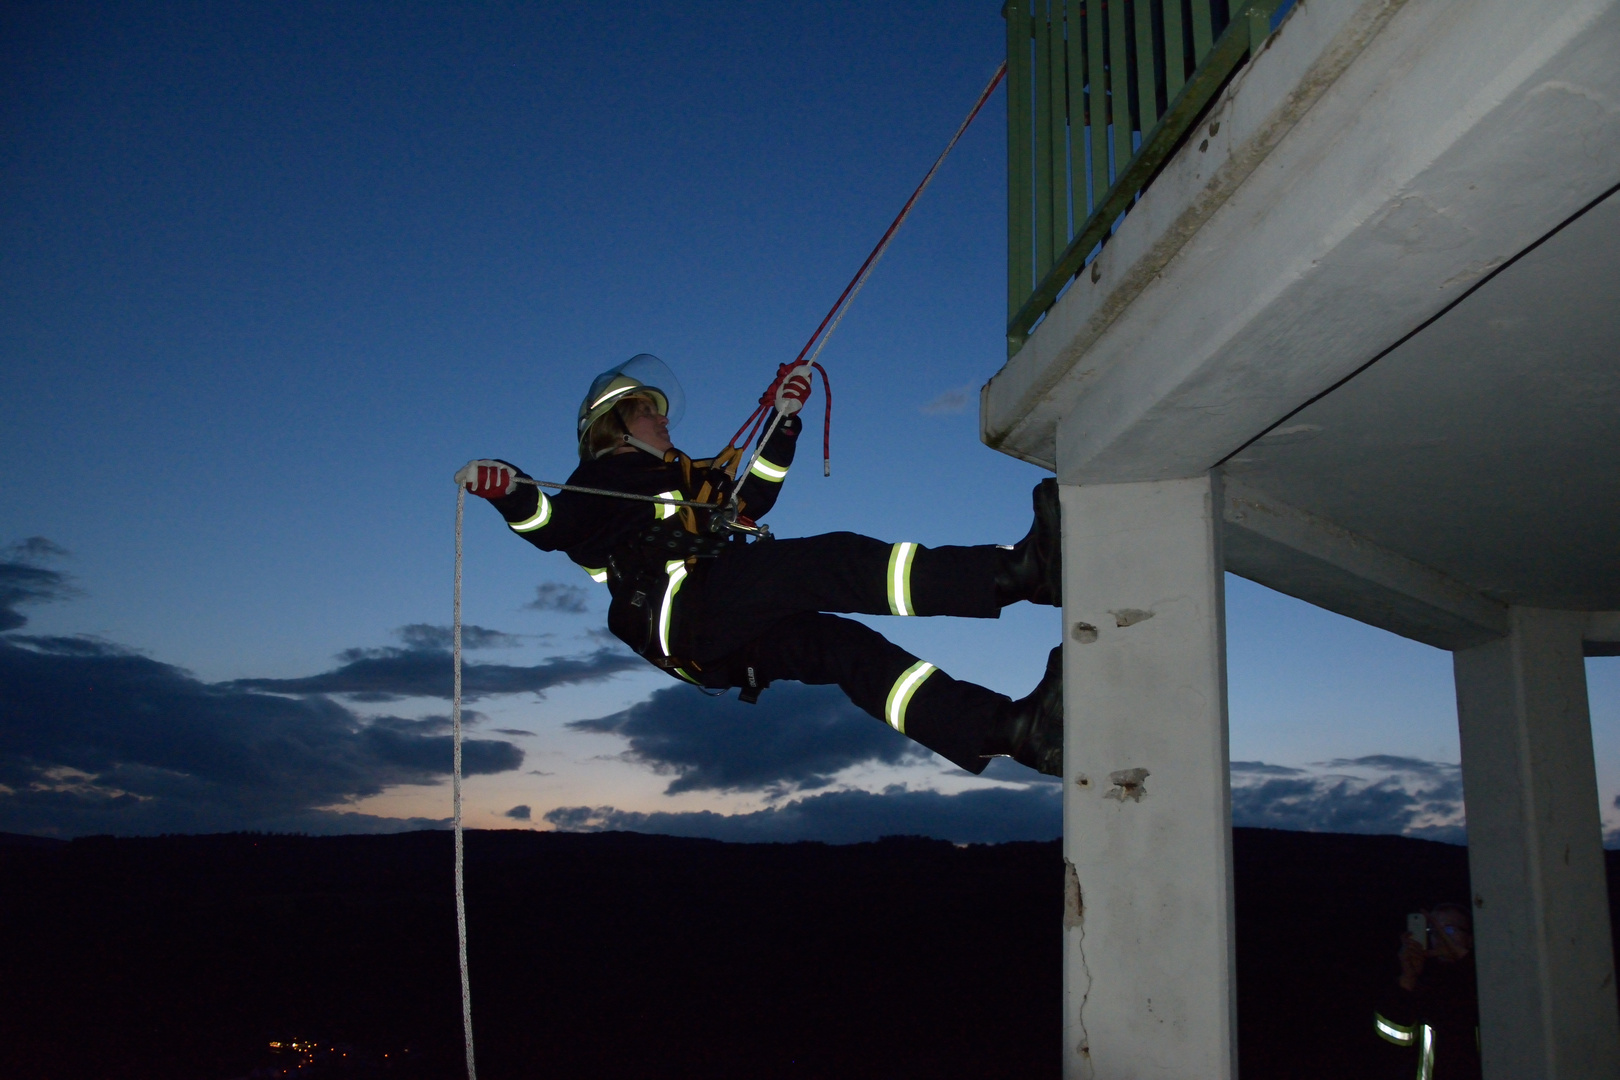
(759, 613)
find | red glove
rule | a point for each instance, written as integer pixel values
(790, 390)
(488, 479)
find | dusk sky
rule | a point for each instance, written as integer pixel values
(273, 272)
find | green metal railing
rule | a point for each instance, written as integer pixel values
(1100, 93)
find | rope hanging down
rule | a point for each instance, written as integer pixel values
(819, 340)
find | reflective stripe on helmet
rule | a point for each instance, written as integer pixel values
(1399, 1034)
(894, 710)
(676, 569)
(900, 557)
(1426, 1054)
(541, 515)
(597, 575)
(766, 470)
(662, 510)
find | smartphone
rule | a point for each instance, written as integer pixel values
(1418, 927)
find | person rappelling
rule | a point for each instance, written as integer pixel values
(701, 590)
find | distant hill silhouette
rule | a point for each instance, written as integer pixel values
(616, 954)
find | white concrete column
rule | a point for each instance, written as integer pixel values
(1535, 854)
(1147, 839)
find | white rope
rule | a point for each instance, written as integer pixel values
(455, 794)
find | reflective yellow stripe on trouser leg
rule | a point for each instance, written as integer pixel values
(900, 694)
(676, 569)
(899, 579)
(1425, 1053)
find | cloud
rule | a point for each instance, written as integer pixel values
(795, 739)
(427, 636)
(96, 738)
(954, 400)
(519, 813)
(515, 732)
(1377, 794)
(1260, 768)
(24, 581)
(979, 816)
(567, 599)
(391, 673)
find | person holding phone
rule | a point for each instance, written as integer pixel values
(1433, 1006)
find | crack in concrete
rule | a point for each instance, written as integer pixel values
(1074, 918)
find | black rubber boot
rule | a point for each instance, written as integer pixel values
(1032, 569)
(1030, 730)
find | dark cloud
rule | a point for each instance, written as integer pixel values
(568, 599)
(1260, 768)
(795, 739)
(519, 813)
(427, 636)
(388, 674)
(1377, 794)
(511, 731)
(980, 816)
(95, 738)
(24, 581)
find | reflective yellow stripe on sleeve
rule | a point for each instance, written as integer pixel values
(894, 710)
(676, 569)
(664, 510)
(541, 515)
(766, 470)
(597, 575)
(1399, 1034)
(900, 557)
(1426, 1054)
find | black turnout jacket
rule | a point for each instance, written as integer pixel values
(612, 539)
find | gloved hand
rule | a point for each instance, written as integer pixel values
(488, 479)
(792, 389)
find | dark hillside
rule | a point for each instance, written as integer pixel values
(612, 955)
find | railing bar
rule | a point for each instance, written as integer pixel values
(1074, 47)
(1044, 248)
(1224, 56)
(1147, 98)
(1202, 32)
(1175, 50)
(1096, 86)
(1057, 112)
(1020, 225)
(1119, 87)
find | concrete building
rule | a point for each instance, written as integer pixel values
(1357, 338)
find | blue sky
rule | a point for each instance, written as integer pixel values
(274, 272)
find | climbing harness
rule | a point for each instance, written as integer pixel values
(721, 500)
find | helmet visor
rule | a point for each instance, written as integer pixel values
(643, 375)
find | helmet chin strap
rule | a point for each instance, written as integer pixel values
(632, 441)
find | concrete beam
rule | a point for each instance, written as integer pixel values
(1535, 854)
(1308, 557)
(1148, 948)
(1376, 160)
(1602, 637)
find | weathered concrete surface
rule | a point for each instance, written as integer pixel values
(1148, 947)
(1374, 161)
(1535, 854)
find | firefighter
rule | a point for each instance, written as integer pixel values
(1433, 1006)
(717, 611)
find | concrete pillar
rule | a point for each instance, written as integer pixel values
(1147, 839)
(1535, 854)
